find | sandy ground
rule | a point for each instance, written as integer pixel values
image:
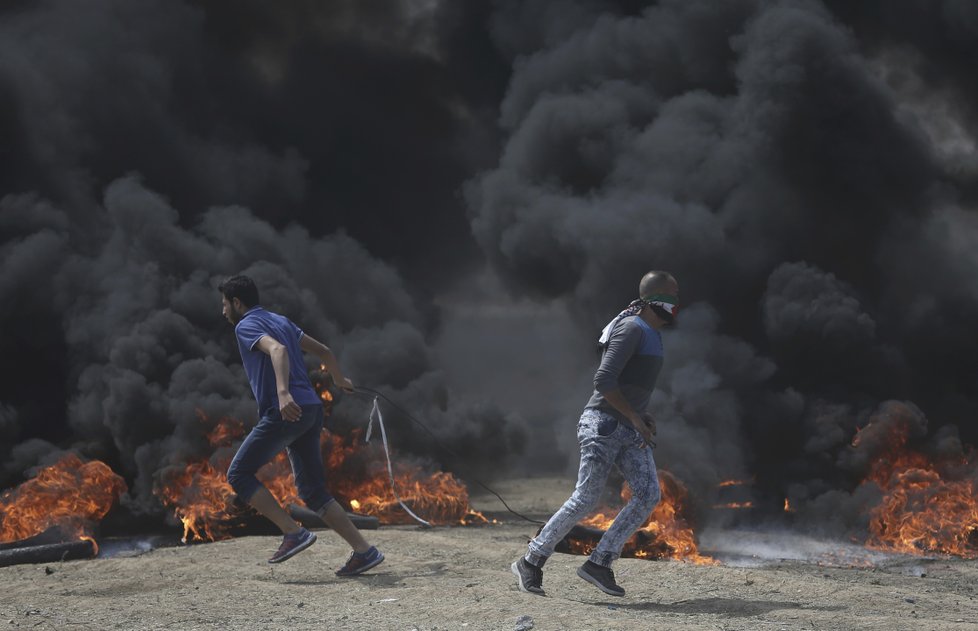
(459, 578)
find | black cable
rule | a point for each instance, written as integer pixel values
(370, 392)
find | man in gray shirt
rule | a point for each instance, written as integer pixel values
(615, 430)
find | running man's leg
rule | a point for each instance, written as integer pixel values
(637, 465)
(306, 456)
(268, 437)
(337, 519)
(598, 454)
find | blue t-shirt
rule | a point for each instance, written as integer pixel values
(257, 323)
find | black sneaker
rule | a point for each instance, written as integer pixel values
(601, 577)
(292, 545)
(529, 577)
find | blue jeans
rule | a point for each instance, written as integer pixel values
(605, 442)
(300, 439)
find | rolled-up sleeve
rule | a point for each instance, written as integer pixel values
(625, 340)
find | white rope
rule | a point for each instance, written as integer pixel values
(375, 414)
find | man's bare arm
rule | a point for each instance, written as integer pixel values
(323, 352)
(279, 355)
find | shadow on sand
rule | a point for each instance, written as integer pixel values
(734, 607)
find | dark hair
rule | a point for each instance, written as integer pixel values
(240, 287)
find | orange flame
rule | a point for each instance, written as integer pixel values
(225, 432)
(69, 494)
(727, 483)
(360, 475)
(202, 499)
(735, 505)
(927, 506)
(666, 533)
(320, 382)
(94, 543)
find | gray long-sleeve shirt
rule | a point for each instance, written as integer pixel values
(631, 362)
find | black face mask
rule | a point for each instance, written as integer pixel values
(659, 304)
(663, 315)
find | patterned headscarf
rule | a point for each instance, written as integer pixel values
(665, 302)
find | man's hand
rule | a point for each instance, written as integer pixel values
(343, 383)
(288, 408)
(646, 432)
(649, 421)
(326, 356)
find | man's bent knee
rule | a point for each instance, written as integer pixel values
(322, 505)
(245, 485)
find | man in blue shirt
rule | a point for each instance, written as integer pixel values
(291, 418)
(615, 430)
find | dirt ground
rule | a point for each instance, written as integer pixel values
(459, 579)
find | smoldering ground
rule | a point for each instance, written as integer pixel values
(457, 196)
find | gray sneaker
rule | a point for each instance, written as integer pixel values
(601, 577)
(529, 577)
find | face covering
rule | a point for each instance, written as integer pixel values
(666, 306)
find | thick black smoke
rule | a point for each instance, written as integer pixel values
(148, 347)
(807, 169)
(812, 191)
(156, 147)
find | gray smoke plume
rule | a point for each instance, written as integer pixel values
(458, 196)
(142, 316)
(156, 148)
(797, 180)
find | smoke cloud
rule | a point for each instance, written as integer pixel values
(806, 188)
(161, 147)
(458, 196)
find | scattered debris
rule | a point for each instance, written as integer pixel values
(524, 623)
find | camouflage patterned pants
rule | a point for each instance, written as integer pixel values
(605, 442)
